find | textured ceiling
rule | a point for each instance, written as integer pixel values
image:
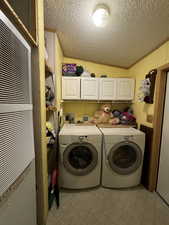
(136, 28)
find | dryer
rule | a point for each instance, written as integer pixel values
(123, 151)
(80, 156)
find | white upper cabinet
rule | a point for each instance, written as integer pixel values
(125, 89)
(71, 88)
(114, 89)
(90, 88)
(107, 89)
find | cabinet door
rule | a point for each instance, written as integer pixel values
(125, 89)
(107, 89)
(70, 87)
(89, 88)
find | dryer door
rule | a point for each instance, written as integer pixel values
(125, 158)
(80, 158)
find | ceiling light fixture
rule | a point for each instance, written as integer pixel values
(101, 15)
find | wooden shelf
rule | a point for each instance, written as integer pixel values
(98, 101)
(51, 108)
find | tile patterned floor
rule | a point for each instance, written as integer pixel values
(110, 207)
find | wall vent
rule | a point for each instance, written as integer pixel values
(14, 64)
(16, 122)
(16, 141)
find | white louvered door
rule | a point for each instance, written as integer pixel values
(16, 123)
(163, 173)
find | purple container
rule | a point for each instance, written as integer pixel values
(68, 68)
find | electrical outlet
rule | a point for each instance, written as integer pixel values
(150, 118)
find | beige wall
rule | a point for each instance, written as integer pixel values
(154, 60)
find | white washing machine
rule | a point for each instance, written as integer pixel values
(123, 151)
(80, 156)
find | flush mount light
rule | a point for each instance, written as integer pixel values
(101, 15)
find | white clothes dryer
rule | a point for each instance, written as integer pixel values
(80, 156)
(123, 151)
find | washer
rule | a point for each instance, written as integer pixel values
(123, 151)
(80, 156)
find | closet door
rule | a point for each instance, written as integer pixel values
(16, 123)
(163, 175)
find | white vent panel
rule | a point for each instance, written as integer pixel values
(14, 68)
(16, 146)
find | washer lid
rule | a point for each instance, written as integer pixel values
(125, 158)
(121, 131)
(80, 158)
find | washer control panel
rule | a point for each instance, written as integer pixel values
(128, 137)
(82, 138)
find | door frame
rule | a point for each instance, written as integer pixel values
(161, 81)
